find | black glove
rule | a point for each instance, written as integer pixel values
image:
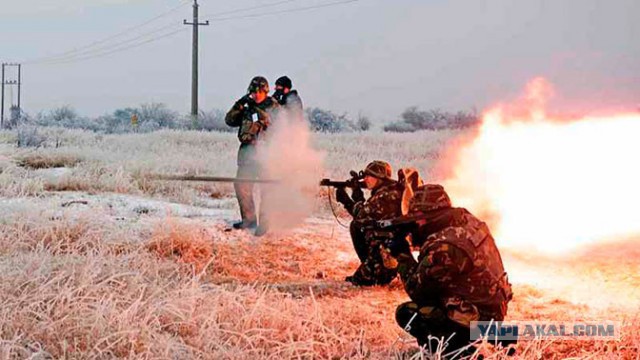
(397, 246)
(279, 96)
(357, 195)
(342, 197)
(246, 100)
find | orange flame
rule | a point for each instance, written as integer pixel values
(551, 183)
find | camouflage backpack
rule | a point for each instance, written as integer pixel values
(418, 197)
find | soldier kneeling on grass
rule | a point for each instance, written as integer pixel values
(458, 277)
(384, 203)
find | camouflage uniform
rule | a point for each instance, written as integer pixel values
(459, 276)
(384, 203)
(252, 121)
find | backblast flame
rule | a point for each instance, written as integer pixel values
(551, 183)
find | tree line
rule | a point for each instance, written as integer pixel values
(155, 116)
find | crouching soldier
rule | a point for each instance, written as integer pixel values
(384, 203)
(458, 277)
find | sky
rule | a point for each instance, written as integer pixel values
(370, 57)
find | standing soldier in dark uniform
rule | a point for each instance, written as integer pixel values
(384, 203)
(459, 276)
(252, 114)
(286, 96)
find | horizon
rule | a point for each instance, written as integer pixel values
(359, 57)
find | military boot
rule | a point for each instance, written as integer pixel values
(244, 225)
(261, 230)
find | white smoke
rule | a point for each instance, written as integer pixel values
(288, 156)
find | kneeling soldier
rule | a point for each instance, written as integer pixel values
(458, 277)
(384, 203)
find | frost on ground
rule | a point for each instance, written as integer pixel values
(147, 270)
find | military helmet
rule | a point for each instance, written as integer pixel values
(258, 83)
(379, 169)
(429, 197)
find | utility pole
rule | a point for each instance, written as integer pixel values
(10, 82)
(194, 58)
(2, 110)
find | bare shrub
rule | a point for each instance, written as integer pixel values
(328, 122)
(64, 113)
(212, 120)
(29, 136)
(363, 123)
(413, 119)
(157, 115)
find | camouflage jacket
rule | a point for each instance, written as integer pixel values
(252, 121)
(384, 203)
(458, 263)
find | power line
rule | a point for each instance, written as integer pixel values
(93, 44)
(298, 9)
(89, 50)
(101, 49)
(120, 49)
(277, 3)
(109, 49)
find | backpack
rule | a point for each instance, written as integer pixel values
(418, 197)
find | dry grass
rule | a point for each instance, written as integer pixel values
(17, 182)
(84, 284)
(187, 245)
(63, 299)
(48, 160)
(123, 163)
(67, 292)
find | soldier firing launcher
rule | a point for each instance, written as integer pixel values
(354, 182)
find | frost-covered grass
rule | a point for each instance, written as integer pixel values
(123, 278)
(123, 163)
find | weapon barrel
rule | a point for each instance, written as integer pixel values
(327, 182)
(211, 179)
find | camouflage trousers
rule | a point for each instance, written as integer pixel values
(248, 168)
(448, 320)
(371, 270)
(425, 321)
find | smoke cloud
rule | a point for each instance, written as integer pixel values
(288, 156)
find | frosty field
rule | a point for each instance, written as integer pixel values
(99, 261)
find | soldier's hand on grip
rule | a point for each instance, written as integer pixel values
(342, 197)
(397, 246)
(357, 195)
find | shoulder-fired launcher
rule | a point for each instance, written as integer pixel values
(354, 182)
(211, 179)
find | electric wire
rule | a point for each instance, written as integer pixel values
(120, 49)
(94, 51)
(250, 8)
(90, 52)
(94, 47)
(298, 9)
(93, 44)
